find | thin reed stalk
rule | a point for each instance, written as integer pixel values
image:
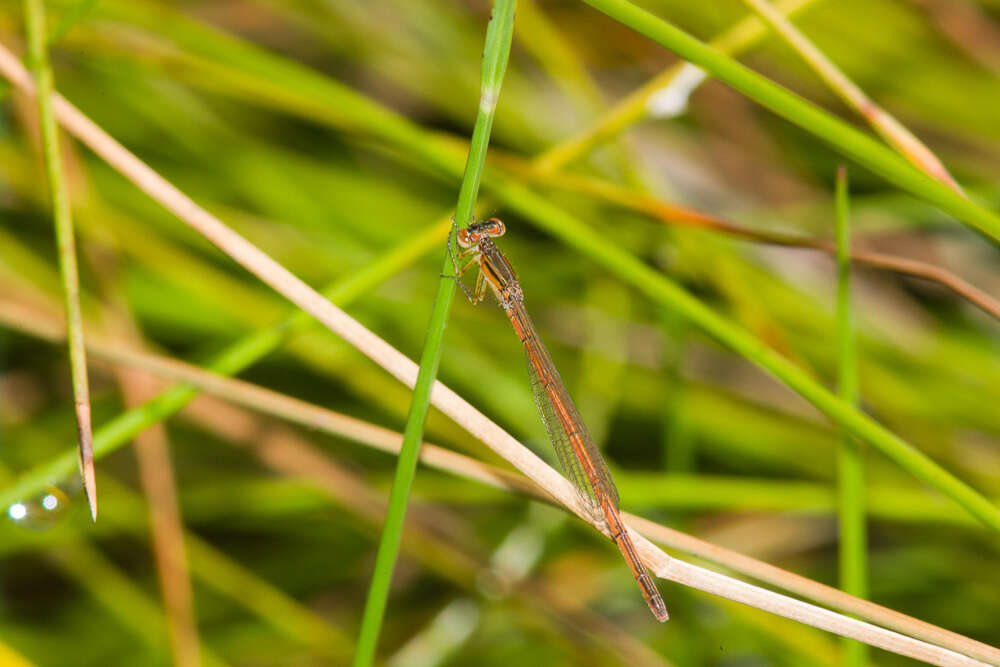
(499, 34)
(34, 13)
(853, 545)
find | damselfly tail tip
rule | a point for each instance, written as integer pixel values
(659, 609)
(652, 596)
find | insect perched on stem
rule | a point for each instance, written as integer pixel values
(579, 457)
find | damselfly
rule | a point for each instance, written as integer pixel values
(579, 457)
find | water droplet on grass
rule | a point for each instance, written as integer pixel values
(41, 511)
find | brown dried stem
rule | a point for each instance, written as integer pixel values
(676, 214)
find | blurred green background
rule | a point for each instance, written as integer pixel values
(264, 111)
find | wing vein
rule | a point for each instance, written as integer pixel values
(548, 390)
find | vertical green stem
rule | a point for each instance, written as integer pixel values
(34, 14)
(495, 54)
(850, 471)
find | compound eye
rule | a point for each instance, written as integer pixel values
(465, 239)
(497, 228)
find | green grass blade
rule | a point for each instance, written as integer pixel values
(841, 136)
(853, 543)
(499, 34)
(34, 13)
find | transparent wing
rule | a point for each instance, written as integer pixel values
(562, 420)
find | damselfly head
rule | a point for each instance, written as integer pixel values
(494, 227)
(475, 232)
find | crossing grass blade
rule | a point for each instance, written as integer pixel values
(499, 35)
(34, 12)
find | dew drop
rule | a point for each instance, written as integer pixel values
(18, 511)
(40, 512)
